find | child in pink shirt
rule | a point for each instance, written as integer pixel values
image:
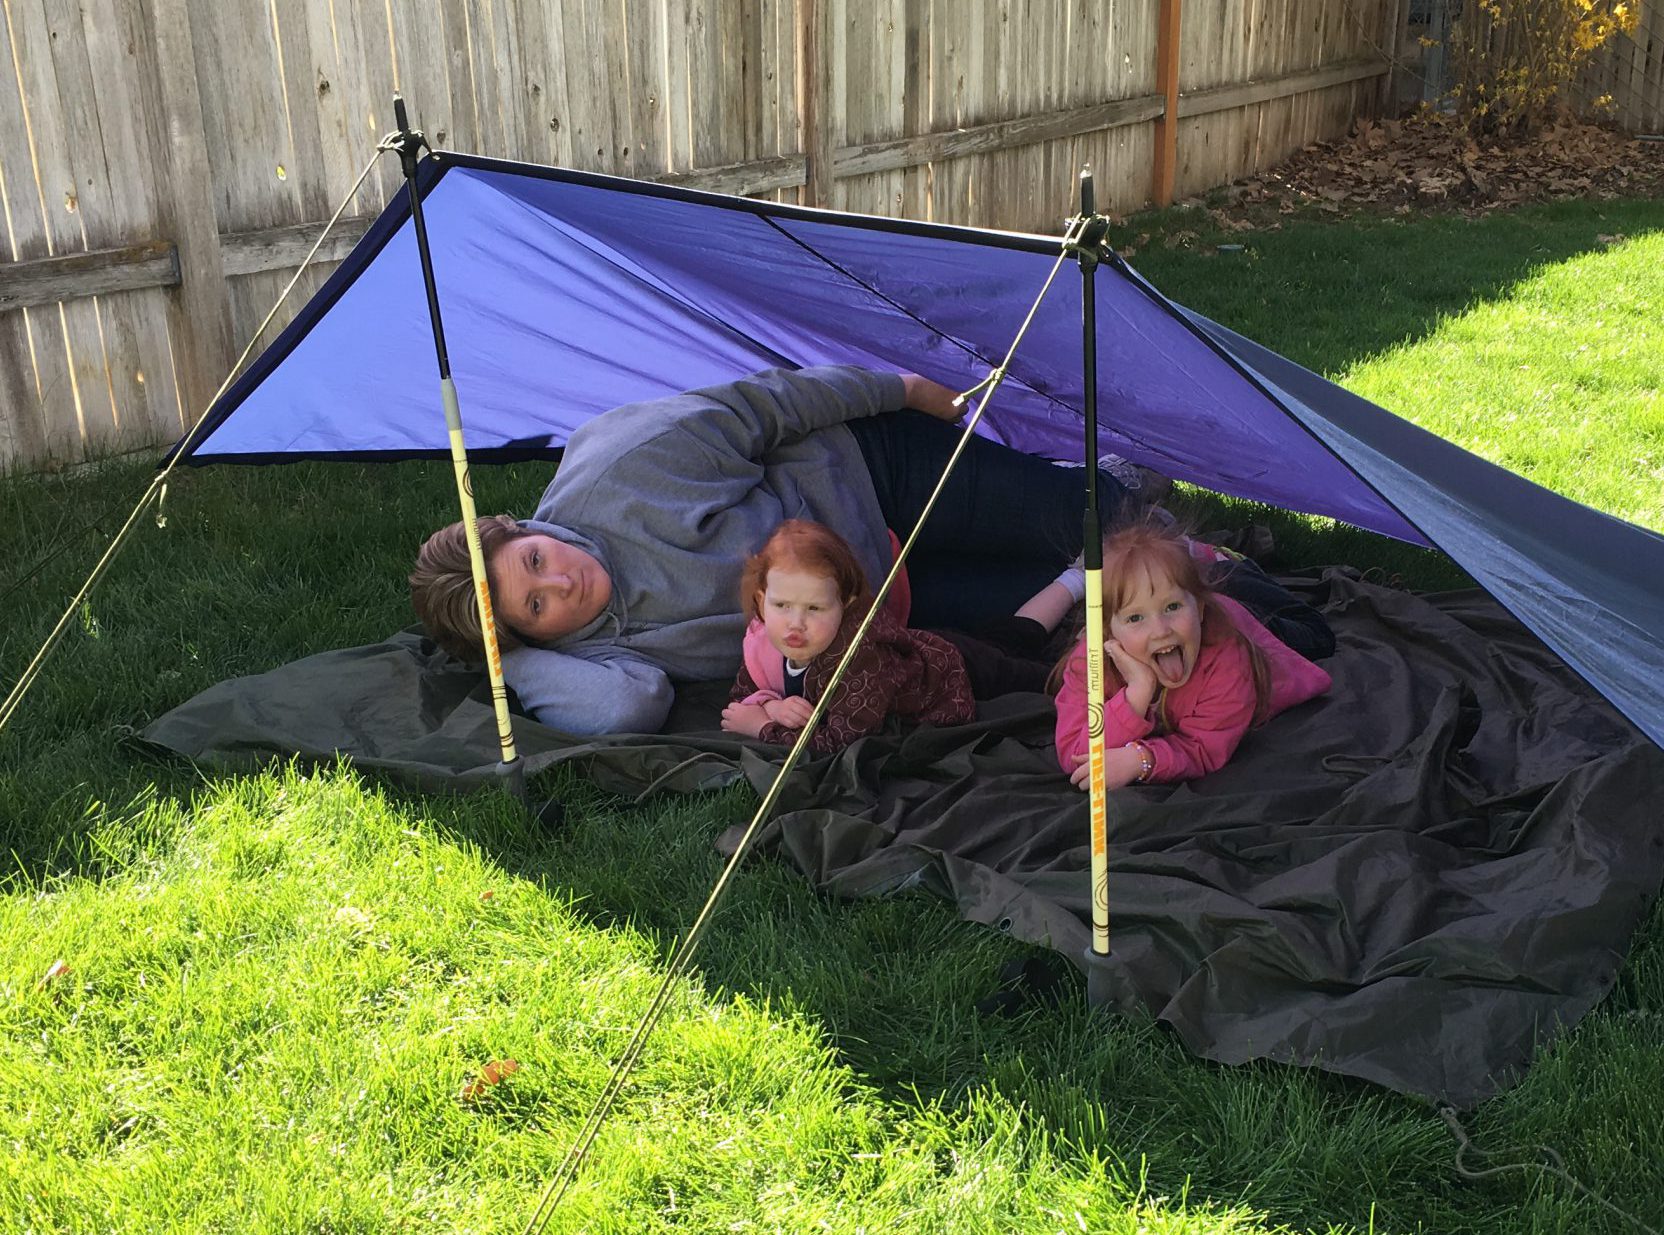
(1188, 671)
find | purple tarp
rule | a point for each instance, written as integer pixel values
(565, 294)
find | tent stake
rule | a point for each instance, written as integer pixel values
(511, 772)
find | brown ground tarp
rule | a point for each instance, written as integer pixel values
(1416, 880)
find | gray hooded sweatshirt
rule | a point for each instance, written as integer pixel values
(671, 496)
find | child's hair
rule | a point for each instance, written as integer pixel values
(442, 586)
(810, 547)
(1149, 550)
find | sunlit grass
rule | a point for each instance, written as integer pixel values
(273, 1026)
(1561, 379)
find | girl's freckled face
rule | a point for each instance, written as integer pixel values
(1160, 624)
(801, 612)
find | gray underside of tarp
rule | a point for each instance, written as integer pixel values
(1590, 586)
(1418, 880)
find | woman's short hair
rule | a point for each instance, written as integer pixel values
(442, 586)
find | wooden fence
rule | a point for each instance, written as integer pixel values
(1624, 82)
(165, 164)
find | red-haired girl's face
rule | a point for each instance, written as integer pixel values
(801, 612)
(1160, 624)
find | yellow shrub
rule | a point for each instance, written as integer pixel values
(1512, 59)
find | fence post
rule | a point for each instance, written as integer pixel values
(1167, 85)
(812, 48)
(1393, 45)
(200, 313)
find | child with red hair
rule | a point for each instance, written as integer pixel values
(1188, 670)
(805, 594)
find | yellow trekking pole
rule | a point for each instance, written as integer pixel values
(1109, 983)
(1093, 226)
(409, 144)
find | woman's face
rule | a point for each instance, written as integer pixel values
(544, 588)
(1160, 624)
(801, 612)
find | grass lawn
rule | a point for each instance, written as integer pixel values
(279, 987)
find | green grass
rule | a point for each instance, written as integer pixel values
(277, 984)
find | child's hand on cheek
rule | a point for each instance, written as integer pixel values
(793, 713)
(1121, 768)
(1139, 677)
(746, 719)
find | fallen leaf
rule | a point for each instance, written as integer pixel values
(58, 969)
(476, 1087)
(1428, 161)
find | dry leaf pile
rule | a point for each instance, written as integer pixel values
(1426, 162)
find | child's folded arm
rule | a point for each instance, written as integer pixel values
(1205, 738)
(1121, 723)
(745, 689)
(859, 708)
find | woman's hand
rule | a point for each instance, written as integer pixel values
(746, 719)
(793, 713)
(1122, 766)
(1139, 677)
(930, 397)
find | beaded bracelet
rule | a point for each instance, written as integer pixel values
(1146, 761)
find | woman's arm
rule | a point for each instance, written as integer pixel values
(611, 692)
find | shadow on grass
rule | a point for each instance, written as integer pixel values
(1331, 293)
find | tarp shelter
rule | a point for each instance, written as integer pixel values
(566, 294)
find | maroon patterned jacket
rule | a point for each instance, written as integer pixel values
(912, 674)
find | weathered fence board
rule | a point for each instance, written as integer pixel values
(167, 164)
(70, 377)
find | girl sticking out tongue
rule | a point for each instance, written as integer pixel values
(1189, 671)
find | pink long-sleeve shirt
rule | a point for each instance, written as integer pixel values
(1196, 726)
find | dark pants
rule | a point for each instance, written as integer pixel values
(1005, 655)
(1291, 619)
(1006, 522)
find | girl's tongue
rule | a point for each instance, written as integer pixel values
(1169, 665)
